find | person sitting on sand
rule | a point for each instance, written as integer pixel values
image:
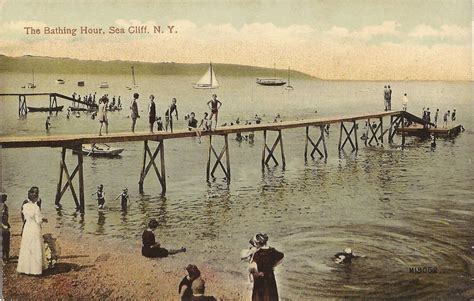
(151, 248)
(184, 289)
(345, 257)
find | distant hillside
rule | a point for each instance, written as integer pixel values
(65, 65)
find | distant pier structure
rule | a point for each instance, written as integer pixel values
(53, 101)
(375, 134)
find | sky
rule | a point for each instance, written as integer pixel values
(338, 39)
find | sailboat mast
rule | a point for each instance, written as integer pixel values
(33, 76)
(210, 67)
(288, 76)
(133, 75)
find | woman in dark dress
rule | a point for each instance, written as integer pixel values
(150, 247)
(185, 286)
(266, 258)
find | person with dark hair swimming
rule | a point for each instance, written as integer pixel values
(345, 257)
(151, 248)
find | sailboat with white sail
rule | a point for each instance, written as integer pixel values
(32, 84)
(288, 86)
(133, 80)
(208, 80)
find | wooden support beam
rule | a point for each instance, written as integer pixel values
(374, 133)
(394, 124)
(63, 170)
(356, 139)
(22, 108)
(320, 140)
(81, 179)
(219, 158)
(278, 140)
(146, 167)
(381, 129)
(403, 129)
(348, 137)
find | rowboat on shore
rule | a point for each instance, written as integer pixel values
(100, 150)
(45, 109)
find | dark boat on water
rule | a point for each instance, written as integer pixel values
(80, 84)
(45, 109)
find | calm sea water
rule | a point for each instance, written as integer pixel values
(399, 208)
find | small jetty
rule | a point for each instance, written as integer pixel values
(423, 131)
(315, 141)
(53, 101)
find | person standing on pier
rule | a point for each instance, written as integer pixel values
(405, 102)
(169, 114)
(103, 115)
(151, 112)
(445, 119)
(389, 102)
(436, 118)
(214, 104)
(385, 97)
(134, 111)
(150, 247)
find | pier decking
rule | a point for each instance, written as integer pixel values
(374, 135)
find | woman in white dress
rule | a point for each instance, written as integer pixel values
(30, 260)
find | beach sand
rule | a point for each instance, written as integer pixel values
(90, 268)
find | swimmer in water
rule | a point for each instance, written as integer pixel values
(345, 257)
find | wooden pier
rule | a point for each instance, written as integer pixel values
(53, 101)
(374, 133)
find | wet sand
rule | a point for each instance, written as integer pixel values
(91, 269)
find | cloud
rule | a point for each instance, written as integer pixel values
(18, 27)
(445, 31)
(386, 28)
(338, 53)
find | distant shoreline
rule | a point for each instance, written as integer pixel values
(25, 64)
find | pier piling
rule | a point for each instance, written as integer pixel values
(278, 140)
(146, 167)
(218, 157)
(63, 170)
